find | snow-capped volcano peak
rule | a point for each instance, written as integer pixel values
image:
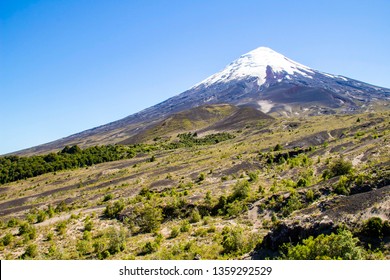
(258, 63)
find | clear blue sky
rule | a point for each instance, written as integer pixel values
(70, 65)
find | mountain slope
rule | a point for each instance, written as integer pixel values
(217, 117)
(290, 180)
(263, 79)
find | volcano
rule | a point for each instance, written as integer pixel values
(261, 79)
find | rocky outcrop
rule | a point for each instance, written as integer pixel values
(297, 231)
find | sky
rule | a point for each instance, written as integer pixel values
(71, 65)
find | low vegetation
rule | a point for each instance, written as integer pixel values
(228, 195)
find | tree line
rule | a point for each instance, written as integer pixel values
(14, 168)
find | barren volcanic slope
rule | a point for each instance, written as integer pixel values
(265, 159)
(262, 79)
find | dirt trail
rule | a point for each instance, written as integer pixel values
(67, 216)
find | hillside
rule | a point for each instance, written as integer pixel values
(239, 195)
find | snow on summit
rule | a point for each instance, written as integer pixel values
(254, 64)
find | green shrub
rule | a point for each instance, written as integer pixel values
(253, 177)
(374, 227)
(27, 230)
(87, 235)
(278, 147)
(41, 216)
(195, 216)
(7, 239)
(302, 183)
(342, 186)
(12, 222)
(208, 200)
(340, 167)
(50, 211)
(334, 246)
(241, 190)
(201, 177)
(145, 218)
(310, 195)
(174, 232)
(293, 204)
(61, 207)
(88, 226)
(105, 254)
(235, 208)
(108, 197)
(49, 236)
(84, 247)
(233, 240)
(185, 226)
(116, 240)
(113, 209)
(61, 227)
(202, 232)
(99, 247)
(31, 251)
(149, 247)
(31, 218)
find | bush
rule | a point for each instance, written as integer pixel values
(87, 235)
(241, 190)
(147, 218)
(278, 147)
(302, 183)
(7, 239)
(100, 247)
(27, 230)
(108, 197)
(340, 167)
(117, 240)
(61, 227)
(334, 246)
(293, 204)
(41, 216)
(201, 177)
(174, 232)
(374, 227)
(232, 240)
(12, 222)
(310, 195)
(235, 208)
(31, 251)
(253, 177)
(113, 209)
(185, 226)
(88, 226)
(49, 236)
(342, 186)
(84, 247)
(61, 207)
(148, 248)
(195, 216)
